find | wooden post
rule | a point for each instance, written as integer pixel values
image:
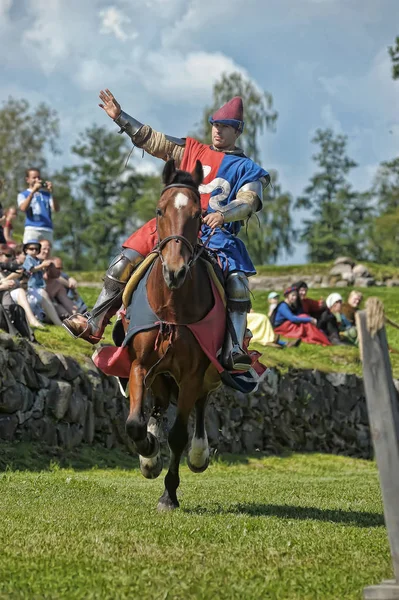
(383, 412)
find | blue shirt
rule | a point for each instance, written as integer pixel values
(36, 280)
(39, 211)
(284, 313)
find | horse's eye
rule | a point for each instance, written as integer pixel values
(158, 212)
(198, 214)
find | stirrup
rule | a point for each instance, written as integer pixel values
(239, 360)
(85, 334)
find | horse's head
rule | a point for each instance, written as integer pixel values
(178, 221)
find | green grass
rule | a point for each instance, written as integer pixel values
(298, 527)
(379, 272)
(344, 359)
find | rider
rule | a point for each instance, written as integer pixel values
(231, 192)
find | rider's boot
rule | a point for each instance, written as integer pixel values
(91, 325)
(234, 358)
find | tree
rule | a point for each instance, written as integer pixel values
(270, 231)
(71, 223)
(394, 54)
(383, 230)
(336, 210)
(109, 189)
(26, 135)
(258, 111)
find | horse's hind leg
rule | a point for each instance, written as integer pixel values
(178, 438)
(198, 455)
(136, 426)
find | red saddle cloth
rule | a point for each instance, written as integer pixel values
(209, 333)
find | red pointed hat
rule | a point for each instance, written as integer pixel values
(231, 113)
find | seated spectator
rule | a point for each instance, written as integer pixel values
(273, 301)
(68, 282)
(18, 294)
(12, 316)
(306, 305)
(57, 291)
(37, 295)
(10, 215)
(350, 308)
(338, 330)
(264, 334)
(288, 324)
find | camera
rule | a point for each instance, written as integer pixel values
(43, 184)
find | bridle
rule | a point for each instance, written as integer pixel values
(195, 250)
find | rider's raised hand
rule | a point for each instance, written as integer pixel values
(109, 104)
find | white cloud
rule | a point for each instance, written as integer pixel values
(186, 78)
(330, 120)
(113, 22)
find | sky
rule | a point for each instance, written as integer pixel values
(325, 62)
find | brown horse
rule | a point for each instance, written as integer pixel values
(179, 292)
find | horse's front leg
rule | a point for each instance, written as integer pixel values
(178, 438)
(198, 455)
(136, 426)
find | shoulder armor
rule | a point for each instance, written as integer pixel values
(175, 140)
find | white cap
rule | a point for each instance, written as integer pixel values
(332, 299)
(273, 295)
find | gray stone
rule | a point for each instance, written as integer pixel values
(58, 398)
(392, 283)
(340, 269)
(8, 426)
(364, 282)
(76, 408)
(361, 271)
(16, 397)
(341, 283)
(89, 424)
(344, 260)
(349, 277)
(72, 369)
(48, 363)
(336, 379)
(38, 405)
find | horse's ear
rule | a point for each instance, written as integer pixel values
(198, 173)
(169, 171)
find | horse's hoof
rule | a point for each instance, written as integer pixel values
(166, 506)
(150, 468)
(195, 469)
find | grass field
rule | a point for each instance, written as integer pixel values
(298, 527)
(307, 356)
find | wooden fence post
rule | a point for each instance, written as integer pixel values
(383, 412)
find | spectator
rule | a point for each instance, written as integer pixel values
(10, 215)
(306, 305)
(330, 319)
(69, 283)
(57, 291)
(350, 308)
(273, 301)
(37, 295)
(288, 324)
(38, 204)
(264, 334)
(12, 316)
(18, 293)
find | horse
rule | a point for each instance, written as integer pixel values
(179, 291)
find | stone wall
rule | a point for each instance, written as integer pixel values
(52, 399)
